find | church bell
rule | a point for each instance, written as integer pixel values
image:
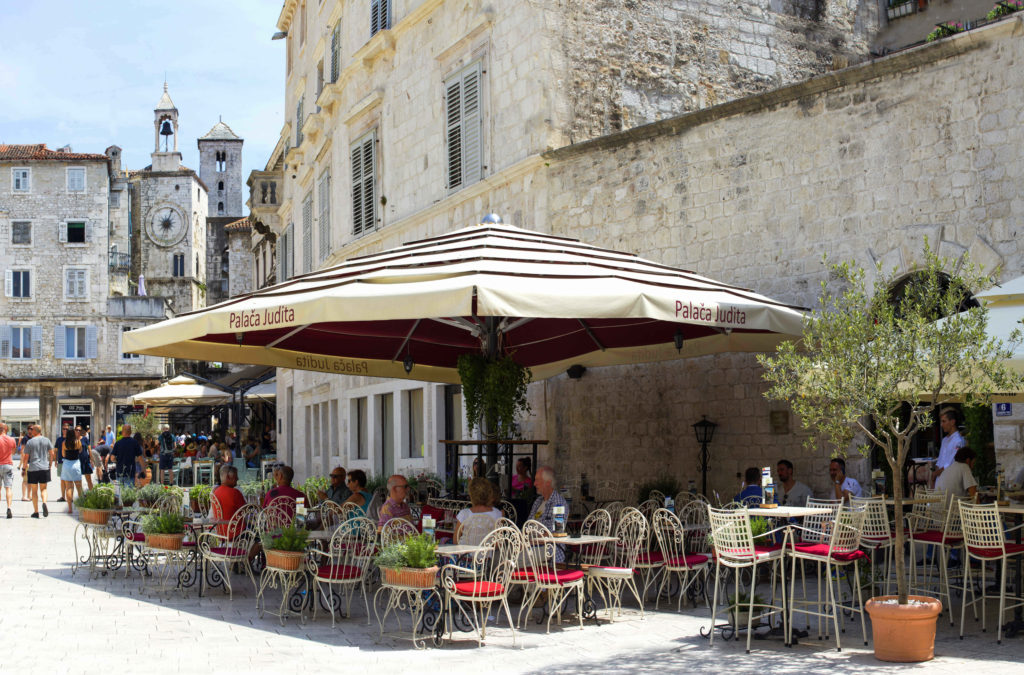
(165, 128)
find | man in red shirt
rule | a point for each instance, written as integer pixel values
(229, 500)
(7, 444)
(283, 476)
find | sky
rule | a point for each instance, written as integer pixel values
(89, 74)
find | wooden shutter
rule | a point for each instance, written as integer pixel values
(37, 341)
(307, 233)
(298, 122)
(9, 283)
(91, 350)
(325, 215)
(379, 16)
(363, 185)
(336, 51)
(88, 230)
(59, 350)
(357, 190)
(5, 342)
(62, 232)
(463, 127)
(453, 108)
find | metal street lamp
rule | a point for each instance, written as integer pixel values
(705, 431)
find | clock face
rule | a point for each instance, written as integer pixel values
(166, 226)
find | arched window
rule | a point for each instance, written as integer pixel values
(220, 208)
(220, 186)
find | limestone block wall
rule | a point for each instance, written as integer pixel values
(861, 167)
(240, 257)
(232, 196)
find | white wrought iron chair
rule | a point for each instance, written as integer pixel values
(610, 580)
(542, 552)
(474, 528)
(345, 564)
(230, 545)
(876, 536)
(483, 580)
(985, 541)
(671, 536)
(396, 530)
(940, 527)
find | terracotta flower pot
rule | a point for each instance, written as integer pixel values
(284, 560)
(94, 516)
(166, 542)
(904, 633)
(410, 577)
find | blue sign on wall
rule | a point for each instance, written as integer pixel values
(1004, 409)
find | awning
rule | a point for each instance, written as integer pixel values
(263, 390)
(182, 391)
(19, 409)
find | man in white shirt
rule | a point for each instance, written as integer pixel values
(793, 492)
(958, 480)
(952, 441)
(843, 487)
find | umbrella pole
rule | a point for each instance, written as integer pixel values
(490, 347)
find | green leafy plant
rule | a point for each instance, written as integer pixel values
(1003, 8)
(493, 393)
(978, 422)
(288, 538)
(170, 522)
(945, 30)
(419, 551)
(314, 485)
(200, 494)
(100, 497)
(251, 489)
(869, 356)
(129, 496)
(147, 425)
(374, 481)
(759, 527)
(743, 598)
(667, 486)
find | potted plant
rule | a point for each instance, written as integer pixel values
(96, 505)
(312, 487)
(147, 495)
(285, 547)
(129, 496)
(868, 360)
(740, 609)
(164, 530)
(252, 491)
(493, 393)
(199, 497)
(411, 563)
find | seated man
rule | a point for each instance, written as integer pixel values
(283, 476)
(395, 506)
(251, 454)
(791, 491)
(229, 500)
(543, 509)
(337, 492)
(843, 487)
(751, 492)
(958, 480)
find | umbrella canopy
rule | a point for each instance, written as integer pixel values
(411, 311)
(182, 391)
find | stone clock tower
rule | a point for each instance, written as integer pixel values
(169, 210)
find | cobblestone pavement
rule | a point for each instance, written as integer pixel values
(54, 621)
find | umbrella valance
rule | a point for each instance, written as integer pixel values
(182, 391)
(549, 302)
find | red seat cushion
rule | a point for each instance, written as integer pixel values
(560, 577)
(479, 589)
(655, 558)
(767, 548)
(1011, 549)
(137, 536)
(821, 550)
(339, 572)
(935, 537)
(687, 560)
(229, 551)
(522, 575)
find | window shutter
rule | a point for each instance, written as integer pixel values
(453, 107)
(9, 283)
(83, 283)
(26, 284)
(280, 259)
(471, 119)
(91, 350)
(88, 230)
(378, 16)
(307, 233)
(357, 190)
(59, 350)
(325, 215)
(5, 342)
(336, 52)
(37, 341)
(298, 122)
(368, 182)
(62, 232)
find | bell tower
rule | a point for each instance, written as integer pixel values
(165, 127)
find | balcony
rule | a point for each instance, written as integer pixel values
(137, 307)
(120, 262)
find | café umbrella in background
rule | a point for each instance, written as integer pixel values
(182, 391)
(409, 312)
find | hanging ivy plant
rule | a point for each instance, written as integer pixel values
(493, 392)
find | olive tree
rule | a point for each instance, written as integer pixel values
(867, 355)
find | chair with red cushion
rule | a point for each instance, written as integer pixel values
(344, 565)
(985, 541)
(597, 523)
(473, 585)
(222, 551)
(735, 550)
(611, 579)
(840, 551)
(671, 536)
(939, 527)
(876, 537)
(558, 584)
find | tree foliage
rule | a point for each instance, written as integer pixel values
(866, 355)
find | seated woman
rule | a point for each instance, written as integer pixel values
(522, 481)
(475, 522)
(357, 484)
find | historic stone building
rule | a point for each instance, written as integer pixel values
(737, 141)
(64, 228)
(220, 169)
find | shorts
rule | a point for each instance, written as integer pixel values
(7, 475)
(41, 477)
(166, 462)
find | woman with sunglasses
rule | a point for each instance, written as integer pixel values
(357, 484)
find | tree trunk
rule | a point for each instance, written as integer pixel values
(901, 568)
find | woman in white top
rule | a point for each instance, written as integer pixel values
(475, 522)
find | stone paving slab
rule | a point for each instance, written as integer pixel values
(163, 632)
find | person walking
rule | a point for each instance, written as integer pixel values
(166, 440)
(58, 459)
(24, 474)
(128, 454)
(36, 456)
(7, 445)
(85, 458)
(71, 467)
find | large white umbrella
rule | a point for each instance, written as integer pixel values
(410, 312)
(182, 391)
